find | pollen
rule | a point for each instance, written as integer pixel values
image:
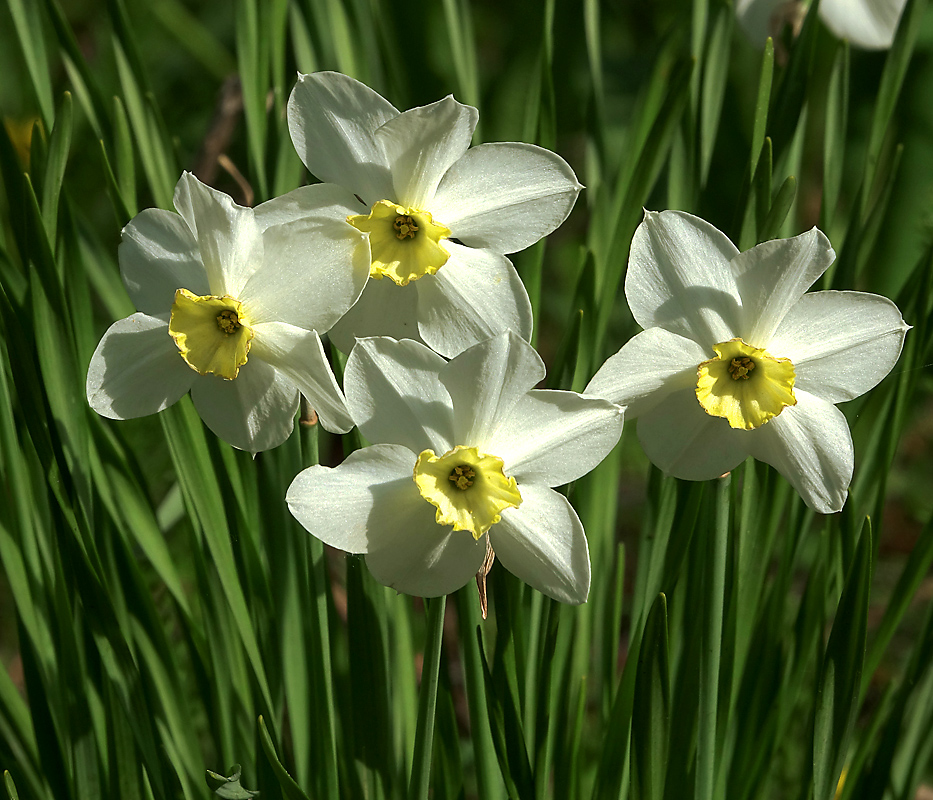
(740, 368)
(462, 476)
(228, 321)
(405, 227)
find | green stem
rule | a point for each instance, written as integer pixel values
(424, 733)
(487, 767)
(710, 653)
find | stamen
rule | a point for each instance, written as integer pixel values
(462, 476)
(739, 368)
(405, 227)
(228, 321)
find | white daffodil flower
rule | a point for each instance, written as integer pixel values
(440, 215)
(465, 450)
(735, 360)
(869, 24)
(231, 302)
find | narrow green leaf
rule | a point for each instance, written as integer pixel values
(714, 571)
(715, 72)
(427, 699)
(651, 710)
(291, 789)
(11, 792)
(840, 676)
(506, 727)
(834, 141)
(29, 30)
(59, 144)
(760, 125)
(471, 638)
(892, 79)
(197, 39)
(771, 229)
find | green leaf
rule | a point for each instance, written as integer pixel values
(30, 32)
(229, 787)
(427, 700)
(840, 677)
(11, 792)
(760, 125)
(291, 789)
(715, 72)
(59, 144)
(771, 229)
(834, 140)
(651, 710)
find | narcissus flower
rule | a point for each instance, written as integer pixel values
(869, 24)
(735, 360)
(465, 450)
(440, 217)
(231, 304)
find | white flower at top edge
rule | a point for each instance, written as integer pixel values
(231, 302)
(464, 450)
(869, 24)
(440, 215)
(736, 360)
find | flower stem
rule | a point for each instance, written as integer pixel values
(424, 733)
(710, 653)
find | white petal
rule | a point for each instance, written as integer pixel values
(394, 394)
(325, 200)
(421, 144)
(679, 278)
(344, 506)
(299, 354)
(649, 367)
(384, 309)
(553, 438)
(332, 119)
(486, 382)
(314, 271)
(866, 23)
(229, 239)
(423, 559)
(254, 412)
(159, 254)
(773, 276)
(681, 439)
(810, 445)
(136, 369)
(543, 543)
(841, 343)
(504, 197)
(475, 295)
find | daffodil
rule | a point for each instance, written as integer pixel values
(440, 215)
(869, 24)
(465, 451)
(736, 360)
(231, 302)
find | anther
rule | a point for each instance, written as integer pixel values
(739, 368)
(405, 227)
(462, 476)
(228, 321)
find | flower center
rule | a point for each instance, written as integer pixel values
(405, 242)
(462, 476)
(210, 333)
(469, 489)
(745, 384)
